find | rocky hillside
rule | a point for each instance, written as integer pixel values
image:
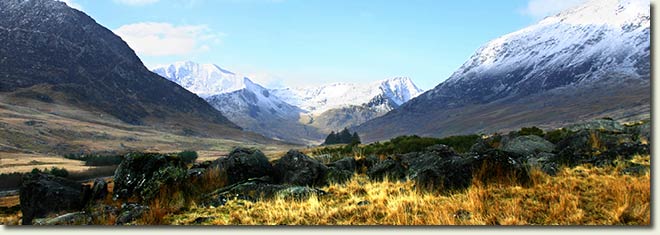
(53, 53)
(589, 61)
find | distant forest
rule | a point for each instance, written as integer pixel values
(342, 137)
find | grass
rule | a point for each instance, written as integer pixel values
(583, 195)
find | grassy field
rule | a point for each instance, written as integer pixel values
(577, 196)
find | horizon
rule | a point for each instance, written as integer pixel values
(362, 42)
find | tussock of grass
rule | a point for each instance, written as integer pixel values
(582, 195)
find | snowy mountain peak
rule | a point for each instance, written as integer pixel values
(319, 99)
(584, 34)
(399, 89)
(202, 79)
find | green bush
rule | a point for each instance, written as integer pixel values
(188, 156)
(60, 172)
(530, 131)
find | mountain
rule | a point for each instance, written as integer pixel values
(202, 79)
(60, 57)
(317, 100)
(298, 115)
(592, 60)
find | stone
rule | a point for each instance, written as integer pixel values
(42, 194)
(296, 168)
(528, 145)
(142, 175)
(244, 163)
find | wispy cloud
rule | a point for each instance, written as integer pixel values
(541, 8)
(72, 4)
(164, 39)
(136, 2)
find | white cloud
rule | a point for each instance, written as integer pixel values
(72, 4)
(542, 8)
(164, 39)
(136, 2)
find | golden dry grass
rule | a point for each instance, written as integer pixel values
(578, 196)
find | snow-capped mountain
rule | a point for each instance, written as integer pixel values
(202, 79)
(291, 114)
(590, 60)
(317, 100)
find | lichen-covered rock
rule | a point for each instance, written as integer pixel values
(345, 164)
(243, 164)
(599, 125)
(99, 189)
(528, 145)
(259, 189)
(74, 218)
(296, 168)
(42, 194)
(143, 174)
(337, 175)
(130, 212)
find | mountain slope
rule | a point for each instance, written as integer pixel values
(557, 71)
(57, 54)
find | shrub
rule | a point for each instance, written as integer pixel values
(96, 159)
(531, 131)
(188, 156)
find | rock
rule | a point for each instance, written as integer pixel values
(596, 147)
(389, 168)
(344, 164)
(463, 214)
(641, 132)
(338, 176)
(545, 162)
(498, 166)
(599, 125)
(365, 163)
(143, 174)
(636, 170)
(99, 189)
(42, 194)
(243, 164)
(485, 144)
(363, 203)
(200, 220)
(201, 165)
(258, 189)
(341, 170)
(75, 218)
(298, 193)
(130, 212)
(441, 150)
(528, 145)
(296, 168)
(442, 174)
(195, 172)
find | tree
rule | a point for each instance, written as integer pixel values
(355, 139)
(331, 139)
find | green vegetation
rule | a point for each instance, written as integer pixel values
(188, 156)
(60, 172)
(404, 144)
(96, 159)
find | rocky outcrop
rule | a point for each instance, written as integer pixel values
(296, 168)
(142, 175)
(42, 194)
(243, 164)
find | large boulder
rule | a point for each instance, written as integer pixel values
(528, 145)
(445, 174)
(130, 212)
(597, 147)
(42, 194)
(243, 164)
(142, 175)
(296, 168)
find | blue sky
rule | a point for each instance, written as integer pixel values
(310, 42)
